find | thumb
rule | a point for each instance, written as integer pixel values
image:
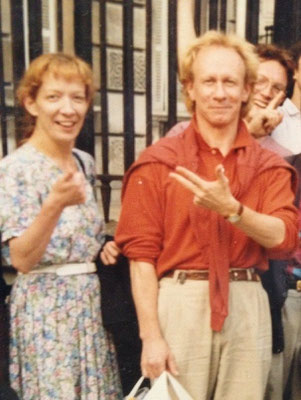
(68, 175)
(78, 177)
(172, 366)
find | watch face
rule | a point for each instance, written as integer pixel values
(234, 218)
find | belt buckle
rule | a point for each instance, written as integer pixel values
(298, 286)
(182, 277)
(234, 276)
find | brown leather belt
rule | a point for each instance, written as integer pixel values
(234, 275)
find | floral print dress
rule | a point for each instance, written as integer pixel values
(59, 348)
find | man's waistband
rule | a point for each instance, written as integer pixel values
(66, 269)
(239, 274)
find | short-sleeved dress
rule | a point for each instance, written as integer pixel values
(59, 348)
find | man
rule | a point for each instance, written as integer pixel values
(202, 311)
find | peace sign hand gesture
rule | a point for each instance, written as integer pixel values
(213, 195)
(262, 121)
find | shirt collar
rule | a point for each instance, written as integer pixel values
(243, 138)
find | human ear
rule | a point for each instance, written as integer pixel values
(30, 106)
(189, 86)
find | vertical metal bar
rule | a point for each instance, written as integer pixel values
(35, 28)
(283, 19)
(213, 9)
(148, 72)
(83, 48)
(252, 21)
(128, 82)
(105, 184)
(296, 29)
(59, 6)
(103, 89)
(172, 63)
(197, 16)
(223, 15)
(17, 34)
(83, 29)
(2, 97)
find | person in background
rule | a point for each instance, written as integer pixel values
(288, 133)
(285, 374)
(195, 251)
(51, 234)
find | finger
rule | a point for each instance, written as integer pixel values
(112, 248)
(220, 174)
(172, 365)
(184, 182)
(112, 259)
(114, 244)
(68, 175)
(103, 258)
(197, 200)
(276, 101)
(151, 371)
(144, 373)
(78, 178)
(82, 197)
(191, 176)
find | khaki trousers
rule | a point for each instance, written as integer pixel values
(229, 365)
(285, 374)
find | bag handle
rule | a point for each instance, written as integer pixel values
(178, 389)
(131, 395)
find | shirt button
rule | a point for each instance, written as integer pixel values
(213, 151)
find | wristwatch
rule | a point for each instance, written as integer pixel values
(233, 218)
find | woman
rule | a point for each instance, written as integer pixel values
(51, 233)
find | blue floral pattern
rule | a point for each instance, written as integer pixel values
(59, 348)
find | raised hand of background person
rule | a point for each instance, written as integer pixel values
(262, 121)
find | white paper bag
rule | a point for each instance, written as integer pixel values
(160, 390)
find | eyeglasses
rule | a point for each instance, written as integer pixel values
(263, 82)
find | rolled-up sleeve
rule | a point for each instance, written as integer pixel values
(278, 202)
(140, 229)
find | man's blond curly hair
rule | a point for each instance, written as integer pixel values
(213, 38)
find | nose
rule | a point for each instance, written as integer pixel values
(67, 106)
(219, 91)
(267, 91)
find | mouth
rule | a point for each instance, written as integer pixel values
(66, 124)
(260, 103)
(225, 108)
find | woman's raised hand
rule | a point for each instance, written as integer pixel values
(69, 189)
